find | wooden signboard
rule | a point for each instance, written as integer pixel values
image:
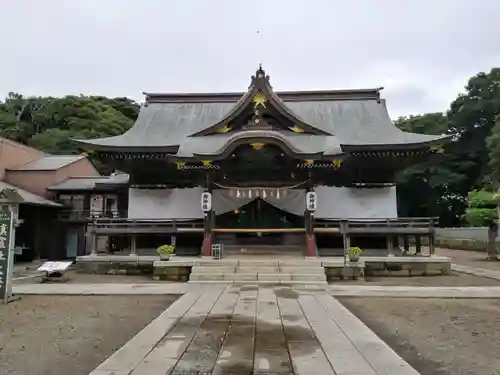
(6, 222)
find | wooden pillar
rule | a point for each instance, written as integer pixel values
(133, 244)
(418, 244)
(346, 239)
(208, 223)
(311, 249)
(406, 244)
(390, 246)
(432, 237)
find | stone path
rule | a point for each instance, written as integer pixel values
(335, 290)
(492, 274)
(226, 329)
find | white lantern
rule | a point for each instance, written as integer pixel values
(206, 201)
(311, 201)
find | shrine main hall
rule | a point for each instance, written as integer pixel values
(262, 171)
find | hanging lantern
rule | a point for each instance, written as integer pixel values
(311, 201)
(206, 201)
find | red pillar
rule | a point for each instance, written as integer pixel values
(310, 238)
(207, 245)
(311, 245)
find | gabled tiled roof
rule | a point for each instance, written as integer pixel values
(26, 197)
(355, 118)
(48, 163)
(90, 183)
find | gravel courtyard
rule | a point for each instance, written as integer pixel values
(436, 336)
(60, 335)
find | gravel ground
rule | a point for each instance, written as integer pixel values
(456, 279)
(469, 258)
(59, 335)
(437, 336)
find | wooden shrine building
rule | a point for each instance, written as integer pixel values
(258, 154)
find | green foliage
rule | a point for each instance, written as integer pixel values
(354, 252)
(166, 249)
(49, 123)
(482, 208)
(439, 186)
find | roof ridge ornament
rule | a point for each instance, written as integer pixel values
(260, 77)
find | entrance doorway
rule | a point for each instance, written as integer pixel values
(259, 223)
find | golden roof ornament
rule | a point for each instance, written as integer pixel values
(259, 100)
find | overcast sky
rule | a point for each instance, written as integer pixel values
(422, 52)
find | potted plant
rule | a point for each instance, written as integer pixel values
(165, 251)
(353, 253)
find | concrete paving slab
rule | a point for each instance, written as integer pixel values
(226, 329)
(341, 353)
(414, 291)
(161, 366)
(376, 352)
(491, 274)
(130, 355)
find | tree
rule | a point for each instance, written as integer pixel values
(482, 211)
(429, 188)
(473, 116)
(49, 123)
(440, 185)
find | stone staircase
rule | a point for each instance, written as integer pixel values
(272, 271)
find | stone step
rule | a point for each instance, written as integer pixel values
(259, 282)
(216, 262)
(259, 269)
(206, 277)
(213, 269)
(309, 277)
(250, 277)
(274, 277)
(302, 270)
(258, 263)
(240, 276)
(300, 263)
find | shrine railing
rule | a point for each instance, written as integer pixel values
(412, 225)
(89, 215)
(125, 225)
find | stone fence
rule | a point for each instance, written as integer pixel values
(464, 238)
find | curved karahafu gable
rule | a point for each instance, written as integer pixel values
(220, 145)
(354, 119)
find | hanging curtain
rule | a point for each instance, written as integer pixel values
(333, 202)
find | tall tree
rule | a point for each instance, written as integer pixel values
(473, 116)
(49, 123)
(472, 161)
(428, 189)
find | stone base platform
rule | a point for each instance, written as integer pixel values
(112, 264)
(407, 266)
(272, 269)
